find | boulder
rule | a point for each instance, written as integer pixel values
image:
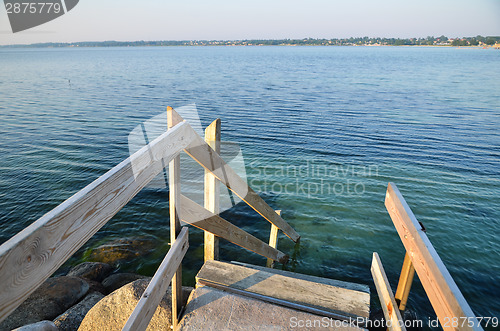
(71, 319)
(112, 312)
(119, 250)
(116, 281)
(51, 299)
(39, 326)
(96, 271)
(96, 287)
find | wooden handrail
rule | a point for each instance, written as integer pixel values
(389, 305)
(444, 295)
(194, 214)
(150, 299)
(34, 254)
(202, 153)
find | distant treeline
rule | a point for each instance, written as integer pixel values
(364, 41)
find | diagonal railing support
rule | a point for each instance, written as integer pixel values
(194, 214)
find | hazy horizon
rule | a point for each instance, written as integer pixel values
(96, 21)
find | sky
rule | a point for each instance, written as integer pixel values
(127, 20)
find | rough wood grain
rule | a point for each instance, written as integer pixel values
(297, 307)
(327, 281)
(31, 256)
(174, 186)
(212, 190)
(444, 295)
(341, 301)
(392, 315)
(242, 312)
(194, 214)
(146, 307)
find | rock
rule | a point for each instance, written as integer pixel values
(51, 299)
(120, 250)
(116, 281)
(39, 326)
(96, 287)
(91, 270)
(112, 312)
(71, 319)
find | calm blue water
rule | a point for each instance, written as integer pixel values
(322, 130)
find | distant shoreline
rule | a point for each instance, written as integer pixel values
(285, 45)
(475, 42)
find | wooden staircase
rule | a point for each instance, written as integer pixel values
(238, 296)
(229, 296)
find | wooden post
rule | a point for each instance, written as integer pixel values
(212, 190)
(273, 240)
(405, 282)
(174, 183)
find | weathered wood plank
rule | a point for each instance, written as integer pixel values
(212, 190)
(146, 307)
(174, 185)
(389, 306)
(405, 282)
(194, 214)
(31, 256)
(236, 311)
(354, 322)
(273, 240)
(327, 281)
(201, 152)
(339, 301)
(443, 293)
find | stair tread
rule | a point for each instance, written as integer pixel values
(327, 281)
(319, 293)
(213, 309)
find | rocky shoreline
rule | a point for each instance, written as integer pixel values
(91, 296)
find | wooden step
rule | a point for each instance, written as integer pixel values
(321, 296)
(326, 281)
(213, 309)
